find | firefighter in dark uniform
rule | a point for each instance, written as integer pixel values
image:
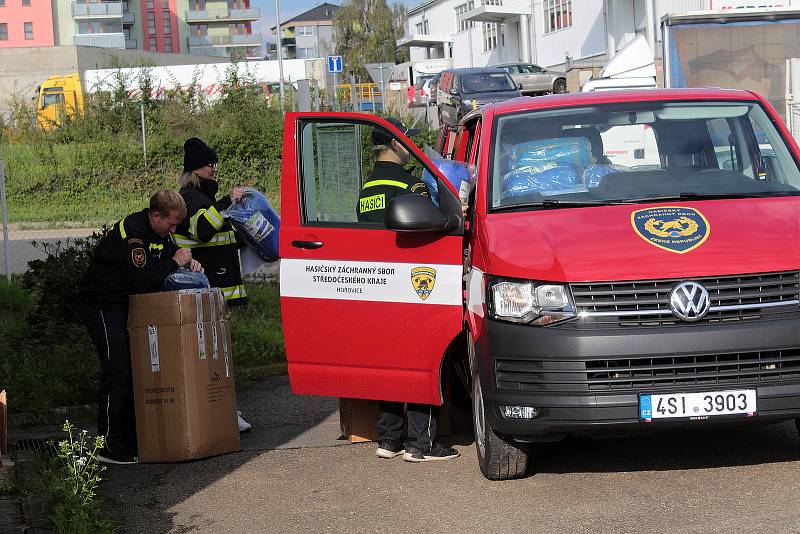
(390, 179)
(135, 256)
(211, 238)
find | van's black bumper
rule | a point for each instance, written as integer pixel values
(556, 371)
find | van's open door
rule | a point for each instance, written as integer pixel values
(367, 312)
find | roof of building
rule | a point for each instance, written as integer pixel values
(324, 11)
(422, 6)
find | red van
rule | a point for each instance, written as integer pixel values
(630, 260)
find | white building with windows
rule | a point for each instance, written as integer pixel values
(476, 33)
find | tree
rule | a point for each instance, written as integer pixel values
(400, 18)
(365, 33)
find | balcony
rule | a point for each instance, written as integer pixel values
(102, 10)
(225, 40)
(104, 40)
(223, 15)
(128, 18)
(424, 40)
(288, 41)
(131, 44)
(498, 13)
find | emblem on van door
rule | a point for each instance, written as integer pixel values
(689, 301)
(674, 228)
(422, 280)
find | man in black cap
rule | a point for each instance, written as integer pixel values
(390, 179)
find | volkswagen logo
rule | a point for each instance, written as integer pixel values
(689, 301)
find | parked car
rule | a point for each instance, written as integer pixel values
(430, 88)
(420, 96)
(535, 79)
(462, 90)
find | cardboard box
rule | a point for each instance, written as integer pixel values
(3, 427)
(183, 381)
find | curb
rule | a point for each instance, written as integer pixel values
(52, 416)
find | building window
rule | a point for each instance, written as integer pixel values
(167, 44)
(489, 36)
(167, 22)
(198, 5)
(557, 15)
(461, 24)
(493, 2)
(422, 27)
(151, 23)
(100, 26)
(305, 31)
(26, 2)
(200, 30)
(152, 43)
(165, 4)
(306, 53)
(2, 3)
(29, 31)
(3, 31)
(237, 29)
(149, 4)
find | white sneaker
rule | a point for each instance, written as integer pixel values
(244, 426)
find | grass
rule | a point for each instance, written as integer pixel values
(40, 375)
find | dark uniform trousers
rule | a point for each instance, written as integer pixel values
(421, 424)
(107, 325)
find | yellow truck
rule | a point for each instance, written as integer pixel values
(58, 96)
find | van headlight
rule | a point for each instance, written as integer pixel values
(530, 302)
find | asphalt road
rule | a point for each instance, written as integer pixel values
(294, 475)
(21, 251)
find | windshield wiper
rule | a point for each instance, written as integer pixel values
(553, 203)
(706, 196)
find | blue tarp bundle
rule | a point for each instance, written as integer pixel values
(183, 278)
(256, 221)
(457, 173)
(547, 179)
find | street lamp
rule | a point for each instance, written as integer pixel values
(279, 41)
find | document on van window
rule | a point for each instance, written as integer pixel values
(697, 406)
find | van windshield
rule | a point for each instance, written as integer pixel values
(486, 83)
(634, 152)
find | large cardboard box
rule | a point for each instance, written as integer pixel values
(183, 379)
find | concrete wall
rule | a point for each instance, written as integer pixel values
(22, 70)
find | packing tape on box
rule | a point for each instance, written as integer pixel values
(225, 348)
(201, 331)
(214, 349)
(152, 332)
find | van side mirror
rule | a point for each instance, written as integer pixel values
(416, 213)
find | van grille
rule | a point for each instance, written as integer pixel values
(645, 303)
(648, 373)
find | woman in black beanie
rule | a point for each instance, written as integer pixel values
(211, 238)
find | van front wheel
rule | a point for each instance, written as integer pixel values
(499, 457)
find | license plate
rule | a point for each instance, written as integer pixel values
(697, 406)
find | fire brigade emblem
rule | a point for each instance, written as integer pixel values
(139, 257)
(422, 280)
(674, 228)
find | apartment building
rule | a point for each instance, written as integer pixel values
(475, 33)
(220, 28)
(25, 23)
(310, 34)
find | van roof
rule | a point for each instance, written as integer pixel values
(473, 70)
(526, 103)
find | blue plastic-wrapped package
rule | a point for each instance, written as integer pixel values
(546, 179)
(256, 221)
(576, 150)
(457, 173)
(594, 174)
(184, 278)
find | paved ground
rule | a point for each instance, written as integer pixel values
(21, 251)
(294, 475)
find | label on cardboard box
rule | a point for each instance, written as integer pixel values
(224, 347)
(152, 332)
(214, 349)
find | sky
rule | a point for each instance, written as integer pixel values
(292, 8)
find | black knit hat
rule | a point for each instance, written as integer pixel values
(383, 137)
(197, 154)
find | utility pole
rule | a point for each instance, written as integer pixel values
(279, 43)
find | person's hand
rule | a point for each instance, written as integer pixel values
(236, 194)
(195, 266)
(183, 257)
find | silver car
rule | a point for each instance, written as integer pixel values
(535, 79)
